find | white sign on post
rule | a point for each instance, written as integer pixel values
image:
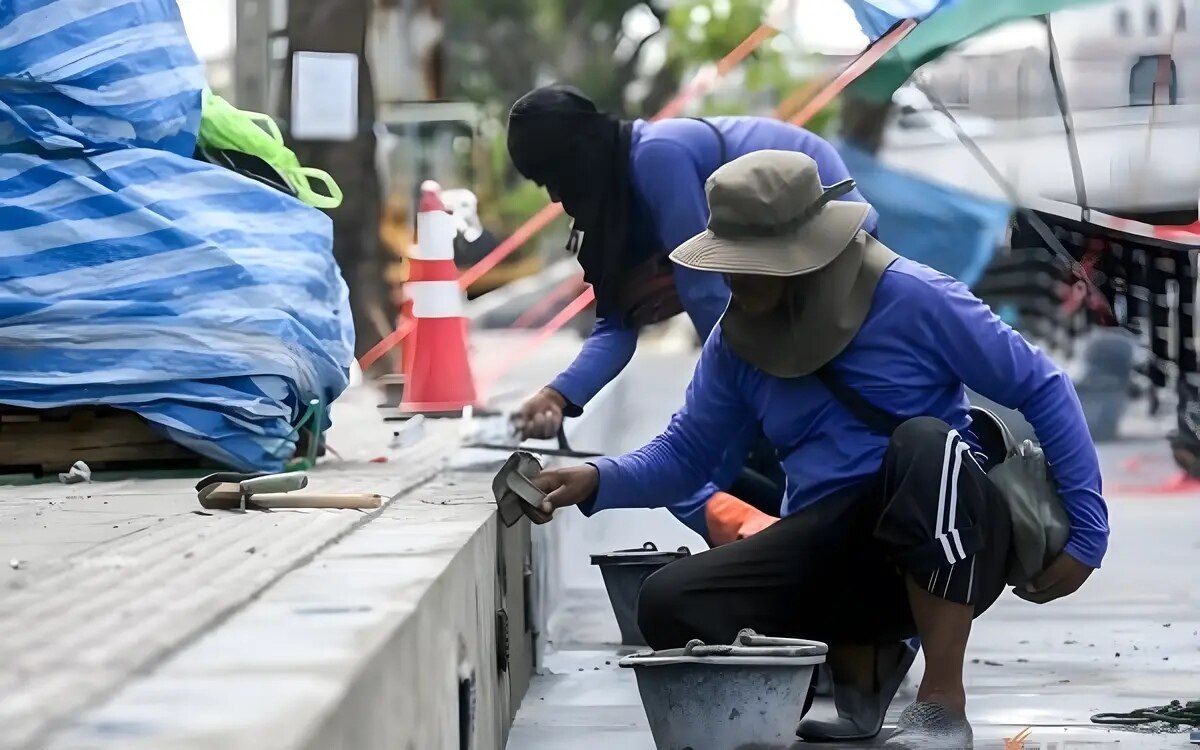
(324, 96)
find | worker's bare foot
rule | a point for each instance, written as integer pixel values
(931, 726)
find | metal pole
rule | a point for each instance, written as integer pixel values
(1064, 109)
(252, 56)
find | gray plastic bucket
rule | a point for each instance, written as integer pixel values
(624, 573)
(748, 696)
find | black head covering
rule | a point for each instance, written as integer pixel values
(558, 139)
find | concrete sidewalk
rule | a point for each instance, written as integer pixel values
(363, 647)
(106, 579)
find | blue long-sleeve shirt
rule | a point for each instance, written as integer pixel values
(925, 340)
(669, 164)
(670, 161)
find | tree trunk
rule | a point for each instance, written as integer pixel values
(341, 26)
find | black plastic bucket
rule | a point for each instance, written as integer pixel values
(624, 573)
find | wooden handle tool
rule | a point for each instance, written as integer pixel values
(364, 500)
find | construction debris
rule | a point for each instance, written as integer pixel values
(78, 473)
(411, 434)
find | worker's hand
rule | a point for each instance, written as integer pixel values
(569, 486)
(540, 416)
(1063, 578)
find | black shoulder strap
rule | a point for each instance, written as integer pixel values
(720, 139)
(864, 411)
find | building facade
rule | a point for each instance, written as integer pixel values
(1117, 54)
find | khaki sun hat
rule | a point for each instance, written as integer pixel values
(771, 216)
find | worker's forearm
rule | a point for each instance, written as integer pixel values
(1057, 419)
(605, 353)
(998, 363)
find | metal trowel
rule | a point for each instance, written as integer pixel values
(516, 494)
(231, 490)
(564, 449)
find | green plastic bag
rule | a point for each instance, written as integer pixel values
(226, 127)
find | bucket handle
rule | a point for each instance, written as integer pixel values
(748, 637)
(749, 643)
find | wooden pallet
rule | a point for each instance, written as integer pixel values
(49, 441)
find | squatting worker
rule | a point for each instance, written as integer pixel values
(635, 191)
(883, 536)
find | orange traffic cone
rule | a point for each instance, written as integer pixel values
(430, 201)
(438, 380)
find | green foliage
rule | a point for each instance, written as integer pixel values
(703, 31)
(499, 49)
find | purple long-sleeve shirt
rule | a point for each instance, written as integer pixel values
(926, 339)
(670, 161)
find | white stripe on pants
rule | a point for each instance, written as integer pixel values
(947, 509)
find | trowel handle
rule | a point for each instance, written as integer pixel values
(297, 500)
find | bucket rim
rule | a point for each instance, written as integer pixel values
(633, 661)
(749, 648)
(648, 553)
(652, 559)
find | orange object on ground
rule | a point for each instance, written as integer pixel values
(438, 377)
(730, 519)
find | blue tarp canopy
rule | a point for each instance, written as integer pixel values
(947, 229)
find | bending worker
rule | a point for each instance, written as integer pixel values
(856, 362)
(635, 191)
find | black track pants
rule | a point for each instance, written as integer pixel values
(835, 570)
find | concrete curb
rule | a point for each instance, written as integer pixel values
(386, 639)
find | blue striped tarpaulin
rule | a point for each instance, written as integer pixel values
(134, 276)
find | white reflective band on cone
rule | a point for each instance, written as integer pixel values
(436, 231)
(435, 299)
